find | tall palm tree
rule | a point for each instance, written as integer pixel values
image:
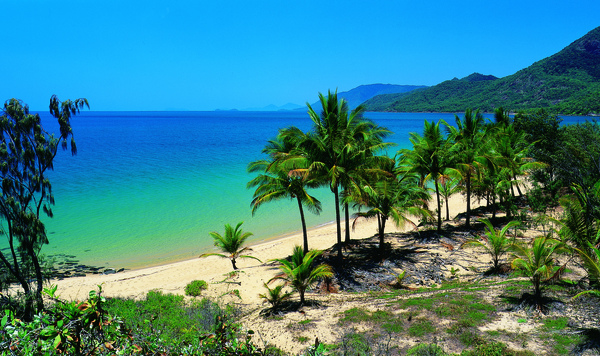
(300, 272)
(231, 243)
(469, 150)
(281, 179)
(449, 186)
(338, 143)
(428, 159)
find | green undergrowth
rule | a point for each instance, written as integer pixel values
(453, 314)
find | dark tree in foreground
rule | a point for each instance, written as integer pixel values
(27, 153)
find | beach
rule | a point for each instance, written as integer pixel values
(173, 277)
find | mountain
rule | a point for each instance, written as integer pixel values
(567, 82)
(362, 93)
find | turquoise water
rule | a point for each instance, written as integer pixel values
(147, 187)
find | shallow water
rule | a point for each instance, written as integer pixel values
(146, 187)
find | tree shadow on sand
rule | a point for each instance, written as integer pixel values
(289, 306)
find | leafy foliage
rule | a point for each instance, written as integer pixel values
(231, 243)
(300, 271)
(275, 296)
(27, 152)
(537, 261)
(496, 243)
(284, 176)
(195, 288)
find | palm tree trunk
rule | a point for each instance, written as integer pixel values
(347, 240)
(447, 210)
(517, 184)
(233, 263)
(337, 220)
(382, 233)
(439, 206)
(512, 189)
(468, 216)
(304, 232)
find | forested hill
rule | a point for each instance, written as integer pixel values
(360, 94)
(568, 82)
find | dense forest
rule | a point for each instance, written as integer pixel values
(567, 82)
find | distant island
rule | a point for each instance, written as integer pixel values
(567, 82)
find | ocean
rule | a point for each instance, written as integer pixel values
(146, 188)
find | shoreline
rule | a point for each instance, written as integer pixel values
(173, 277)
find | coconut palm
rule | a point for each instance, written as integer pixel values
(300, 272)
(394, 197)
(469, 137)
(231, 243)
(495, 243)
(282, 179)
(275, 296)
(428, 159)
(448, 187)
(338, 142)
(537, 261)
(591, 262)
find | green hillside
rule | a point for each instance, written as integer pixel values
(568, 82)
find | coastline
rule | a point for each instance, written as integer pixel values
(173, 277)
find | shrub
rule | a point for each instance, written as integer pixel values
(195, 288)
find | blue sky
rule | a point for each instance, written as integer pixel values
(206, 55)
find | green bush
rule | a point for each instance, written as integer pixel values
(195, 288)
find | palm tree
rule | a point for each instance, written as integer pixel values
(537, 261)
(231, 243)
(300, 271)
(396, 198)
(428, 159)
(448, 187)
(281, 179)
(275, 296)
(496, 243)
(338, 143)
(591, 262)
(469, 150)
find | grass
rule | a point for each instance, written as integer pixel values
(421, 328)
(559, 323)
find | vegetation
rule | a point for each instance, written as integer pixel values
(537, 261)
(567, 82)
(158, 324)
(275, 296)
(282, 178)
(485, 160)
(300, 272)
(496, 243)
(27, 152)
(231, 243)
(195, 288)
(429, 160)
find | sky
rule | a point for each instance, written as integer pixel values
(206, 55)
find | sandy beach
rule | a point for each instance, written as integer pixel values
(173, 277)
